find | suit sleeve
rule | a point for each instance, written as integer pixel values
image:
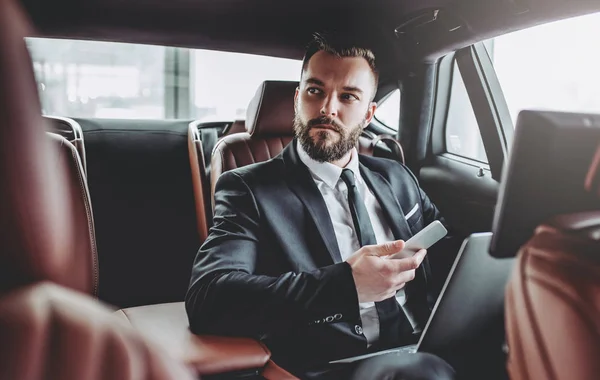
(226, 297)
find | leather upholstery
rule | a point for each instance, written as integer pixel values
(553, 302)
(274, 372)
(271, 110)
(237, 126)
(71, 130)
(39, 223)
(242, 149)
(140, 182)
(50, 332)
(198, 167)
(167, 325)
(200, 176)
(84, 253)
(393, 144)
(553, 298)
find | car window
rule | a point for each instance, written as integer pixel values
(388, 111)
(552, 66)
(225, 82)
(117, 80)
(463, 137)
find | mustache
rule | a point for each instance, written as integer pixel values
(325, 120)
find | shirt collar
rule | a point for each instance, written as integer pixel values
(325, 171)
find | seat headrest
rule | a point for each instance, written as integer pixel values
(271, 111)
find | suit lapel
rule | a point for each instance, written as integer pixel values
(416, 290)
(388, 201)
(302, 184)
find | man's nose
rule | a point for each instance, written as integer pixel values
(329, 107)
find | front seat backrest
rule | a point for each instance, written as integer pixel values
(38, 221)
(553, 302)
(552, 306)
(48, 331)
(84, 238)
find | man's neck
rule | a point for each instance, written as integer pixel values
(343, 162)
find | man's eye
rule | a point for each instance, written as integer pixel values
(349, 97)
(314, 90)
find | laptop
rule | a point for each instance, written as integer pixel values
(470, 304)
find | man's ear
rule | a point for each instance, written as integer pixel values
(370, 112)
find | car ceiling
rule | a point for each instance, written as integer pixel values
(282, 27)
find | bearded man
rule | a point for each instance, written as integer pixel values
(297, 254)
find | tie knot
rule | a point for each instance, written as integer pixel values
(348, 178)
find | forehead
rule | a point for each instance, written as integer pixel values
(340, 72)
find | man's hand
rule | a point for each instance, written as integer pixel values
(377, 278)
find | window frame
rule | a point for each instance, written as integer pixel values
(487, 100)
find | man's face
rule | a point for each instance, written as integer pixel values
(333, 105)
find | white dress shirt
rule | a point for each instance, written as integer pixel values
(335, 193)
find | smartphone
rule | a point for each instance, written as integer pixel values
(424, 239)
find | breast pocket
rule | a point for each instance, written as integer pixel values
(414, 218)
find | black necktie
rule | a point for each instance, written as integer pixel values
(393, 323)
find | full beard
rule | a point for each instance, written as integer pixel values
(320, 148)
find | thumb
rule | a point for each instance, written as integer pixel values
(388, 248)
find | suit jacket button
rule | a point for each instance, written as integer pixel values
(358, 329)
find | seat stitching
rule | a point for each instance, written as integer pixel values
(86, 202)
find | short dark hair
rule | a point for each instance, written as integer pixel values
(338, 47)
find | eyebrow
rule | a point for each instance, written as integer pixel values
(353, 89)
(318, 82)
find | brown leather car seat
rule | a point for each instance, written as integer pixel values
(199, 182)
(49, 327)
(51, 332)
(84, 250)
(238, 126)
(553, 298)
(201, 169)
(269, 125)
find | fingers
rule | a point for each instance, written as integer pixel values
(408, 263)
(402, 278)
(385, 249)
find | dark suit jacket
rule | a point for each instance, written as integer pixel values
(271, 267)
